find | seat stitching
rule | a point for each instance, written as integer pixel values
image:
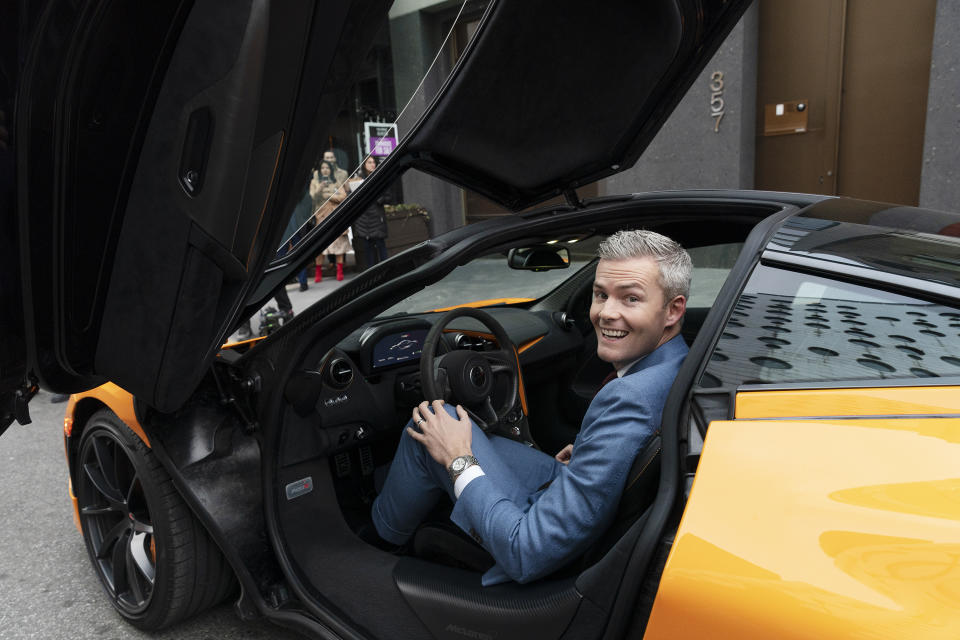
(640, 473)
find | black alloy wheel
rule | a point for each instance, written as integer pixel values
(156, 563)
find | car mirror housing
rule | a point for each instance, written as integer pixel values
(539, 258)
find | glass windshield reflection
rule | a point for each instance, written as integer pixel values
(413, 54)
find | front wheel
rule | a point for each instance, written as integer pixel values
(154, 559)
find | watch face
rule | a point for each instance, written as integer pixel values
(458, 464)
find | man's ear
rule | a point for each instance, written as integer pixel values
(675, 310)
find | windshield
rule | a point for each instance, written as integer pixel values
(488, 280)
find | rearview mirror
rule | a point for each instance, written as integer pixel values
(539, 258)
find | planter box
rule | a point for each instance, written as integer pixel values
(406, 226)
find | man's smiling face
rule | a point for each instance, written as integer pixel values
(629, 312)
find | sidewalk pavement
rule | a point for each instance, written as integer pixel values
(302, 299)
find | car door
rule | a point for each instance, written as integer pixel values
(160, 147)
(822, 504)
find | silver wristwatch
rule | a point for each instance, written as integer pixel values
(459, 465)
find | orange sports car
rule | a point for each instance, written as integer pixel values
(803, 484)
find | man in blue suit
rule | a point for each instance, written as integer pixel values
(531, 511)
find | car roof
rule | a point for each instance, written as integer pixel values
(876, 239)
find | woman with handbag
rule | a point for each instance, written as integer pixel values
(327, 195)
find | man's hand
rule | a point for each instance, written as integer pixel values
(564, 454)
(444, 437)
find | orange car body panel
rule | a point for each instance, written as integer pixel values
(76, 506)
(890, 401)
(484, 303)
(118, 400)
(821, 527)
(240, 343)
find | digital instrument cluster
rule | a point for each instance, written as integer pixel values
(395, 348)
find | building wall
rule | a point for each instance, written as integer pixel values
(939, 184)
(687, 153)
(415, 36)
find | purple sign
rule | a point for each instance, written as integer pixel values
(381, 138)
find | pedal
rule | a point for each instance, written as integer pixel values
(366, 460)
(341, 462)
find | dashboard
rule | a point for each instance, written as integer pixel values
(365, 387)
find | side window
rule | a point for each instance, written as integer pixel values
(711, 266)
(791, 327)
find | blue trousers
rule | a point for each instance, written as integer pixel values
(416, 481)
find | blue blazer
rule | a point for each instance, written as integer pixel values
(560, 522)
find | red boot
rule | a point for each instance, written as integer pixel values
(339, 271)
(319, 275)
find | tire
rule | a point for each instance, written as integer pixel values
(155, 561)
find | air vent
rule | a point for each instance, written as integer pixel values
(340, 373)
(564, 320)
(463, 341)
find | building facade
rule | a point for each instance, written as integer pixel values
(857, 98)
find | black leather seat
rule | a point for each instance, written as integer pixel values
(638, 494)
(445, 543)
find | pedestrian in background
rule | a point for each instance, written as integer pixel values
(322, 186)
(331, 196)
(370, 229)
(339, 175)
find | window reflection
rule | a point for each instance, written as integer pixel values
(791, 327)
(413, 53)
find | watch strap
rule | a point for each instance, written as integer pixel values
(469, 462)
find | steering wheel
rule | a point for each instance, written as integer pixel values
(467, 377)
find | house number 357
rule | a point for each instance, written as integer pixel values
(716, 99)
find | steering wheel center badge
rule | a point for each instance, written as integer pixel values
(299, 487)
(478, 376)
